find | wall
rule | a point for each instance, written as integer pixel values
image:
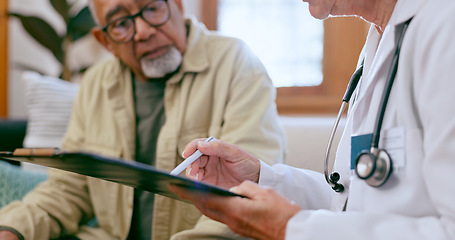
(192, 7)
(3, 57)
(25, 52)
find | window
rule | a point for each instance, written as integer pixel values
(342, 40)
(283, 34)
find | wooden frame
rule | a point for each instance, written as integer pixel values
(209, 13)
(3, 58)
(343, 41)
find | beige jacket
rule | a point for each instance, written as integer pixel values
(221, 90)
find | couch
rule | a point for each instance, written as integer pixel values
(307, 138)
(14, 181)
(12, 134)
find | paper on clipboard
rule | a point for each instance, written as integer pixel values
(134, 174)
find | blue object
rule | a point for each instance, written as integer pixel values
(15, 182)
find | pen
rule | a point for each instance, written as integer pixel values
(182, 166)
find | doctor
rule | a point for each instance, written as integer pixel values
(416, 201)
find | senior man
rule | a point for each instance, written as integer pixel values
(171, 81)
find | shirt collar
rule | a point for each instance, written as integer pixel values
(195, 58)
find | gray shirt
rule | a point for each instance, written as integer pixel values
(149, 106)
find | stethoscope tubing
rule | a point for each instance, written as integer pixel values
(347, 96)
(390, 79)
(329, 145)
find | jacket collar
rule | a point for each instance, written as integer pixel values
(195, 58)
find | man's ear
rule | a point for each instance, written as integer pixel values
(102, 38)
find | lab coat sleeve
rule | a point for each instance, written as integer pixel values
(306, 188)
(434, 99)
(432, 57)
(323, 224)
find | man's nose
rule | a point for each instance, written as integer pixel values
(143, 30)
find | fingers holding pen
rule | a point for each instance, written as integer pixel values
(222, 164)
(221, 149)
(191, 147)
(208, 148)
(217, 148)
(197, 169)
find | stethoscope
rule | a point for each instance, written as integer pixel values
(373, 165)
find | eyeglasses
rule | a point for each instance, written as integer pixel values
(122, 30)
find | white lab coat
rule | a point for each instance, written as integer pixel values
(417, 202)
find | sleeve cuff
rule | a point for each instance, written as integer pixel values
(266, 175)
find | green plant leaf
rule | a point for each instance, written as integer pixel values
(80, 25)
(43, 33)
(62, 7)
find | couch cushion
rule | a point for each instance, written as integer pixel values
(307, 138)
(15, 182)
(49, 103)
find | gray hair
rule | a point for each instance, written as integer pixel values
(91, 7)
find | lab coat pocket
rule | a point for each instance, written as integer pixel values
(414, 153)
(404, 146)
(393, 141)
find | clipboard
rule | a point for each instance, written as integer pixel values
(134, 174)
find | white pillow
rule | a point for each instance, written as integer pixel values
(49, 103)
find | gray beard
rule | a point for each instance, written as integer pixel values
(162, 65)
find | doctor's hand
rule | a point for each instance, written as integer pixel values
(222, 164)
(262, 215)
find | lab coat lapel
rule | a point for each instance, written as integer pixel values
(404, 10)
(377, 66)
(373, 80)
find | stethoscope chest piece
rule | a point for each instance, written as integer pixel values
(374, 166)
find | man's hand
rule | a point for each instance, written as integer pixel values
(262, 215)
(8, 235)
(222, 164)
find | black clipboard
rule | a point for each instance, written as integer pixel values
(134, 174)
